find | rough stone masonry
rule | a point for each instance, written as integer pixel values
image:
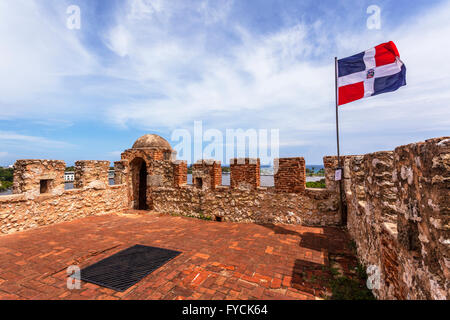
(398, 205)
(397, 202)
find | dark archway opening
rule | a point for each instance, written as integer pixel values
(139, 175)
(142, 205)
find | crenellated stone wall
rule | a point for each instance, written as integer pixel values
(33, 177)
(397, 202)
(244, 200)
(159, 170)
(18, 212)
(35, 203)
(422, 177)
(91, 172)
(398, 205)
(161, 174)
(290, 175)
(370, 199)
(179, 173)
(245, 173)
(207, 174)
(315, 207)
(121, 171)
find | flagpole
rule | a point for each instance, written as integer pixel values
(337, 114)
(341, 203)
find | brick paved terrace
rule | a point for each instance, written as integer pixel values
(219, 260)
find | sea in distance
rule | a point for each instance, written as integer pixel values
(266, 178)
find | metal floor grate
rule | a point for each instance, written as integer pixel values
(126, 268)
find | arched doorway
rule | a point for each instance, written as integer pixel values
(139, 181)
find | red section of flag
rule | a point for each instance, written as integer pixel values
(385, 53)
(351, 92)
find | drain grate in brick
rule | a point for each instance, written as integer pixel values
(126, 268)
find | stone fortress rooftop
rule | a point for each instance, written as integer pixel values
(396, 210)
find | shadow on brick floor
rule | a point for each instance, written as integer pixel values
(310, 277)
(279, 229)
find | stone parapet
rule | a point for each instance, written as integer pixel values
(33, 177)
(397, 202)
(179, 173)
(398, 207)
(91, 173)
(207, 174)
(121, 171)
(245, 173)
(263, 205)
(290, 175)
(19, 213)
(422, 180)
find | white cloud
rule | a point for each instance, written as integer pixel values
(118, 40)
(279, 79)
(419, 110)
(3, 154)
(38, 51)
(215, 11)
(171, 70)
(263, 74)
(21, 141)
(140, 9)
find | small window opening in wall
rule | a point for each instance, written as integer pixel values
(218, 218)
(45, 186)
(199, 183)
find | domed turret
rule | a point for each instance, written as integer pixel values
(151, 141)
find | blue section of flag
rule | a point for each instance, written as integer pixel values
(351, 64)
(390, 83)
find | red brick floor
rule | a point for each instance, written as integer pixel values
(219, 260)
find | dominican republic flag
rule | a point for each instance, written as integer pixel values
(371, 72)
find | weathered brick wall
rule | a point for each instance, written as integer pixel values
(316, 207)
(161, 174)
(330, 164)
(134, 159)
(381, 191)
(370, 195)
(245, 173)
(159, 168)
(362, 221)
(422, 178)
(121, 171)
(290, 175)
(18, 212)
(216, 174)
(91, 172)
(398, 209)
(209, 172)
(179, 173)
(397, 203)
(29, 173)
(389, 263)
(149, 154)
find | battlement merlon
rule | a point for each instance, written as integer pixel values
(245, 173)
(207, 174)
(90, 173)
(36, 176)
(290, 175)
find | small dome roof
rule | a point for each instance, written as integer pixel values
(151, 141)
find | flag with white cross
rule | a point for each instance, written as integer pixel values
(371, 72)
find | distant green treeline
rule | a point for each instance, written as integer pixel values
(6, 178)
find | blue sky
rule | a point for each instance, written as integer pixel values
(153, 66)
